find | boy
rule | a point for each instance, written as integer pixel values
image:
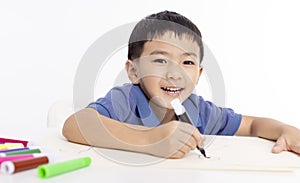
(164, 55)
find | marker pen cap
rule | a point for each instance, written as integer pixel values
(178, 108)
(49, 170)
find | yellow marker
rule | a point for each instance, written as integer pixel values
(10, 146)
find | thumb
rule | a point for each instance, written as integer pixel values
(279, 146)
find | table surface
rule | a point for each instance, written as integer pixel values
(136, 168)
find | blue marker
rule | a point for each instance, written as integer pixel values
(12, 150)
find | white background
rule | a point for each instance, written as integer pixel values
(255, 42)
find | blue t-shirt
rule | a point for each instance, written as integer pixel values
(129, 104)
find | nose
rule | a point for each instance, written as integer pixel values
(173, 72)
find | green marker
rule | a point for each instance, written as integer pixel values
(30, 151)
(49, 170)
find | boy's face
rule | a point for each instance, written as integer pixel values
(167, 69)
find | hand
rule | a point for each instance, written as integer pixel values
(288, 141)
(173, 140)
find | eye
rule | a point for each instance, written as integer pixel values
(161, 61)
(189, 62)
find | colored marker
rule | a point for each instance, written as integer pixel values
(10, 167)
(4, 140)
(45, 171)
(19, 156)
(6, 146)
(184, 117)
(19, 149)
(29, 151)
(16, 149)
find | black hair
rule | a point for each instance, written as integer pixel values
(156, 25)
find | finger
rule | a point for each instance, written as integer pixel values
(191, 143)
(280, 145)
(186, 128)
(186, 144)
(185, 149)
(191, 130)
(178, 154)
(195, 134)
(199, 139)
(295, 148)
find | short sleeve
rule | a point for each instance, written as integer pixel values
(117, 103)
(100, 106)
(217, 120)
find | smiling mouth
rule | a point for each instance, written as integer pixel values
(172, 90)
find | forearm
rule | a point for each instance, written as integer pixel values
(287, 137)
(88, 127)
(171, 140)
(264, 127)
(267, 128)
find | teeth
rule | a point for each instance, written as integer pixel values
(172, 89)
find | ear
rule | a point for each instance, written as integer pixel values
(132, 71)
(200, 72)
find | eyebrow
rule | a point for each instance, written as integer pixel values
(161, 52)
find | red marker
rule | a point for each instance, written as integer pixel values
(11, 167)
(5, 140)
(18, 156)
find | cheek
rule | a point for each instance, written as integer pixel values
(150, 82)
(192, 76)
(150, 86)
(148, 70)
(195, 78)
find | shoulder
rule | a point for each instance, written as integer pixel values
(118, 95)
(126, 93)
(125, 89)
(197, 101)
(118, 102)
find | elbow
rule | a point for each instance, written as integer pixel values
(71, 131)
(67, 128)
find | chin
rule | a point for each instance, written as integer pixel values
(161, 102)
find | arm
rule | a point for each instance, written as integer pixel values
(172, 140)
(287, 137)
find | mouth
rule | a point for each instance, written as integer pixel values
(172, 91)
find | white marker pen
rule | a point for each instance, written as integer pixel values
(184, 117)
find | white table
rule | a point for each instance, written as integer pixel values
(105, 170)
